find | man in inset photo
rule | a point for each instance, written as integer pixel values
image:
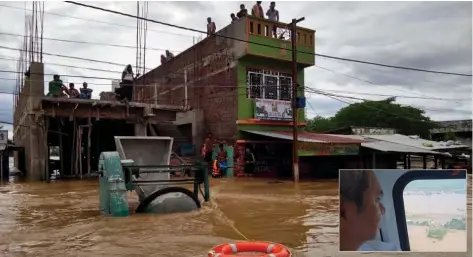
(360, 209)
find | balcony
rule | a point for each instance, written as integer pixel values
(277, 35)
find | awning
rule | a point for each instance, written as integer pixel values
(385, 146)
(307, 137)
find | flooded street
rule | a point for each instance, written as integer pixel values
(62, 219)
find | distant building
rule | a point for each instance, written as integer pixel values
(460, 129)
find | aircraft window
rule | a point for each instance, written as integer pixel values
(431, 210)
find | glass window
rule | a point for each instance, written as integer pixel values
(267, 84)
(435, 211)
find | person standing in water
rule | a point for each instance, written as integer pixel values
(208, 149)
(250, 162)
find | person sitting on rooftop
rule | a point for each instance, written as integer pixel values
(56, 88)
(85, 92)
(210, 26)
(169, 55)
(233, 17)
(163, 59)
(72, 92)
(243, 12)
(257, 10)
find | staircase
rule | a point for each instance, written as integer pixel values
(171, 130)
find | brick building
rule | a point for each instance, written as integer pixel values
(224, 76)
(236, 83)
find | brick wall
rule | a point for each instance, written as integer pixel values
(211, 85)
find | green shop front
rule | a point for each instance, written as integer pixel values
(320, 155)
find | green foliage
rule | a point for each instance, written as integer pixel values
(450, 136)
(383, 114)
(320, 124)
(458, 224)
(436, 233)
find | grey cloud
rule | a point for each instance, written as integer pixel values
(428, 35)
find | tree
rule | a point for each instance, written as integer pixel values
(320, 124)
(405, 120)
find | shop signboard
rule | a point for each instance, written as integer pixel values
(325, 149)
(268, 109)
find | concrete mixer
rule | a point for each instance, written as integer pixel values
(142, 164)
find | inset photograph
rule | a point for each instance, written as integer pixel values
(403, 210)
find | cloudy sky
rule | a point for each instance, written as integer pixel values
(425, 35)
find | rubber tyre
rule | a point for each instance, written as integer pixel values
(148, 200)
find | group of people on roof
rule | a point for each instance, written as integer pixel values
(167, 57)
(257, 11)
(58, 89)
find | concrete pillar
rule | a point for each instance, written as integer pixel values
(140, 129)
(196, 119)
(36, 149)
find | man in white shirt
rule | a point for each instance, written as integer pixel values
(273, 15)
(360, 208)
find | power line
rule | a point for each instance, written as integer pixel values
(369, 82)
(241, 40)
(397, 96)
(70, 57)
(377, 109)
(367, 100)
(306, 89)
(340, 91)
(96, 21)
(244, 85)
(90, 43)
(62, 65)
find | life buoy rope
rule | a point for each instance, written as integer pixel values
(267, 249)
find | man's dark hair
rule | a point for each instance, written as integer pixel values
(220, 145)
(353, 184)
(71, 84)
(56, 76)
(273, 3)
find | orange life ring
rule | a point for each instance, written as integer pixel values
(267, 249)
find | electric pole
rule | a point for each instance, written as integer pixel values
(295, 156)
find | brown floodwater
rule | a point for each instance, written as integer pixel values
(62, 219)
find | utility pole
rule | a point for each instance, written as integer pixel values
(295, 156)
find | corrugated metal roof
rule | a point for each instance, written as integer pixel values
(307, 137)
(408, 141)
(385, 146)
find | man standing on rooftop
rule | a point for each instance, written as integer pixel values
(257, 10)
(210, 27)
(273, 15)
